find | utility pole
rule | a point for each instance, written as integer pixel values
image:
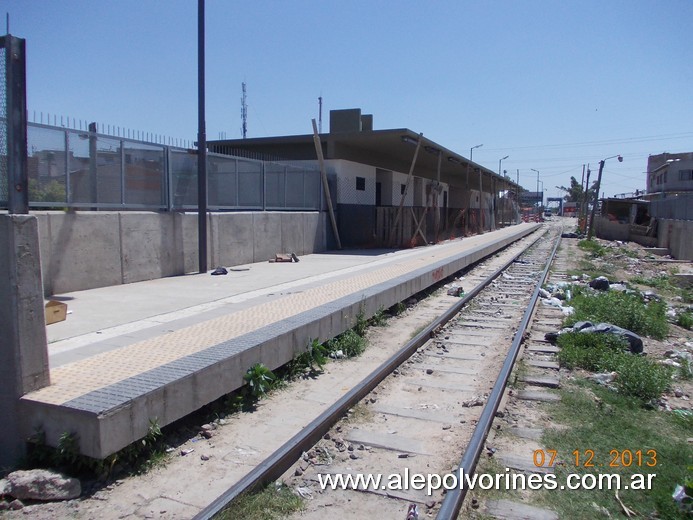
(201, 142)
(244, 112)
(590, 232)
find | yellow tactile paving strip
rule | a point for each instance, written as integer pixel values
(71, 381)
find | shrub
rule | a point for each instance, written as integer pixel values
(639, 377)
(685, 320)
(625, 310)
(593, 352)
(350, 343)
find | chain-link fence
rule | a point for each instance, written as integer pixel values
(83, 169)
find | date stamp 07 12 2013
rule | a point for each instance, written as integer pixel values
(586, 458)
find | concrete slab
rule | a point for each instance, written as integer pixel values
(539, 380)
(386, 441)
(546, 347)
(424, 415)
(535, 395)
(533, 434)
(523, 463)
(453, 387)
(509, 510)
(552, 365)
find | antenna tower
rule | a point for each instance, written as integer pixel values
(244, 112)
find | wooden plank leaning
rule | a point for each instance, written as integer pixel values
(326, 187)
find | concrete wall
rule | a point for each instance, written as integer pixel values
(84, 250)
(346, 172)
(676, 235)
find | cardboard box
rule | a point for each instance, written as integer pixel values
(55, 312)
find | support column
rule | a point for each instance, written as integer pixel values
(23, 346)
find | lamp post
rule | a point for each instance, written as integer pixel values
(495, 193)
(590, 232)
(499, 164)
(541, 202)
(471, 150)
(537, 181)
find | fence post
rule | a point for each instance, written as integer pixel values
(15, 85)
(92, 165)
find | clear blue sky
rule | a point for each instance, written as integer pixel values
(553, 84)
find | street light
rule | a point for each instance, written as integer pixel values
(541, 202)
(499, 163)
(471, 150)
(590, 232)
(537, 183)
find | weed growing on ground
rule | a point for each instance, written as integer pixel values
(314, 358)
(272, 502)
(641, 378)
(397, 309)
(593, 352)
(628, 311)
(591, 269)
(594, 248)
(137, 458)
(637, 376)
(685, 320)
(259, 379)
(661, 282)
(361, 323)
(379, 319)
(350, 343)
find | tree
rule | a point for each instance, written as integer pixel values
(575, 192)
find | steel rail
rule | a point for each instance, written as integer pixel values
(281, 460)
(452, 503)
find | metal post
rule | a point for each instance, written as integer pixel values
(68, 191)
(583, 210)
(93, 183)
(17, 169)
(201, 141)
(480, 193)
(122, 173)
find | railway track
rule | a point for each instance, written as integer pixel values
(420, 410)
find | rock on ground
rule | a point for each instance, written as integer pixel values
(41, 484)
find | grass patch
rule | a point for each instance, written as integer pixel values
(628, 311)
(593, 352)
(637, 376)
(609, 422)
(660, 282)
(271, 503)
(591, 269)
(592, 247)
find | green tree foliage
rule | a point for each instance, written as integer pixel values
(575, 192)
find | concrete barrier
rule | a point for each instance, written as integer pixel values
(85, 250)
(23, 349)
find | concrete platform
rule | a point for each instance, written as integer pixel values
(161, 349)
